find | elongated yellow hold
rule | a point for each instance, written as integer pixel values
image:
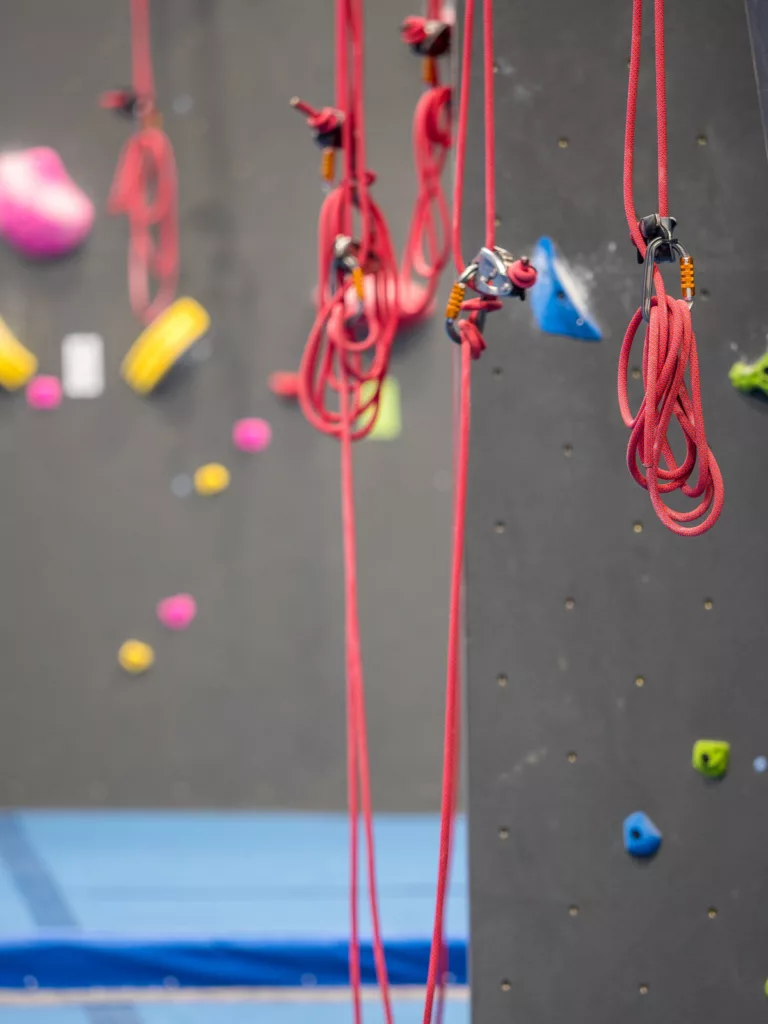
(135, 657)
(162, 344)
(213, 478)
(17, 364)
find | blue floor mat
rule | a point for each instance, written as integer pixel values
(408, 1011)
(134, 898)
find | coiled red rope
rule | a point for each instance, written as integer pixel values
(669, 346)
(144, 188)
(427, 247)
(472, 345)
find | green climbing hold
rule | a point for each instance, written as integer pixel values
(750, 376)
(711, 757)
(765, 988)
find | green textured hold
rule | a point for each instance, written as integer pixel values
(750, 376)
(765, 988)
(711, 757)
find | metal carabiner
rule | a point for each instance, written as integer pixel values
(677, 250)
(455, 299)
(662, 247)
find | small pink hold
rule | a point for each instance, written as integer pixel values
(251, 435)
(177, 612)
(44, 392)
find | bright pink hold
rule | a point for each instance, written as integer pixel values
(251, 435)
(44, 393)
(177, 612)
(43, 213)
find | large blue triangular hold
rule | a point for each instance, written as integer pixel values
(641, 837)
(559, 302)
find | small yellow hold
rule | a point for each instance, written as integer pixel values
(213, 478)
(136, 657)
(17, 364)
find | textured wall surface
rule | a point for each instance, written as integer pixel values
(598, 654)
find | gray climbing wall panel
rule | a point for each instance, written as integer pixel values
(246, 708)
(598, 654)
(757, 15)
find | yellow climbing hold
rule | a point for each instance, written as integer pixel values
(163, 343)
(389, 422)
(17, 364)
(213, 478)
(136, 657)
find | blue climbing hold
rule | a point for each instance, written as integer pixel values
(641, 837)
(558, 300)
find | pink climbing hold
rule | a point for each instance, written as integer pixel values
(44, 392)
(177, 612)
(251, 435)
(43, 213)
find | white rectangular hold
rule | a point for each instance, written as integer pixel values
(82, 365)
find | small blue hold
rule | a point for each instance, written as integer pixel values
(641, 837)
(558, 300)
(760, 763)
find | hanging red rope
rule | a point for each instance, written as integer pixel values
(338, 385)
(427, 247)
(144, 187)
(493, 275)
(669, 345)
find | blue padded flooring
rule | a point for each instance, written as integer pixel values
(405, 1011)
(134, 899)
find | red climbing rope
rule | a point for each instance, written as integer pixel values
(144, 187)
(338, 386)
(468, 333)
(669, 346)
(427, 247)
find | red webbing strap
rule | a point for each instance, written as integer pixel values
(144, 188)
(669, 346)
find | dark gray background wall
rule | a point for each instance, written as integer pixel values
(564, 926)
(247, 707)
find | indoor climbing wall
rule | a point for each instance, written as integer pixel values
(601, 647)
(99, 519)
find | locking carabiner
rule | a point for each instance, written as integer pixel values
(455, 299)
(664, 247)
